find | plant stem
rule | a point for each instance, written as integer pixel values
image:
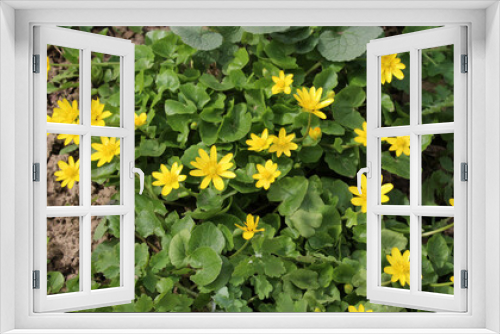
(444, 228)
(386, 283)
(314, 67)
(241, 249)
(186, 290)
(153, 247)
(441, 284)
(307, 129)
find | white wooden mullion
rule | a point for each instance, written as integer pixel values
(424, 129)
(421, 210)
(415, 86)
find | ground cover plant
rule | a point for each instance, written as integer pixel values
(250, 139)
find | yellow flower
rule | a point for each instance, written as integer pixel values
(259, 143)
(452, 278)
(400, 266)
(360, 199)
(317, 309)
(169, 179)
(361, 138)
(283, 143)
(48, 68)
(267, 174)
(282, 83)
(452, 202)
(105, 151)
(399, 144)
(391, 65)
(97, 114)
(69, 138)
(212, 170)
(250, 227)
(315, 133)
(68, 173)
(310, 101)
(361, 308)
(66, 113)
(140, 120)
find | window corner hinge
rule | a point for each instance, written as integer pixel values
(464, 171)
(36, 279)
(36, 63)
(36, 172)
(465, 64)
(465, 279)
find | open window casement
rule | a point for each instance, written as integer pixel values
(416, 50)
(74, 115)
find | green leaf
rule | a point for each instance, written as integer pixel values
(332, 128)
(343, 273)
(159, 260)
(209, 264)
(165, 47)
(264, 29)
(262, 286)
(399, 166)
(347, 44)
(306, 222)
(55, 282)
(392, 239)
(195, 94)
(290, 191)
(273, 266)
(151, 147)
(310, 154)
(236, 124)
(167, 79)
(146, 223)
(350, 96)
(175, 107)
(178, 249)
(168, 302)
(305, 279)
(198, 37)
(344, 163)
(239, 62)
(207, 235)
(438, 250)
(141, 257)
(276, 51)
(286, 304)
(326, 79)
(211, 82)
(143, 304)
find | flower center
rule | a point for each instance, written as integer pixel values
(212, 168)
(109, 150)
(71, 172)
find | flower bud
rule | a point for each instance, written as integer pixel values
(348, 288)
(315, 133)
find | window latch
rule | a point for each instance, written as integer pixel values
(36, 172)
(464, 171)
(465, 279)
(36, 63)
(368, 171)
(133, 171)
(36, 279)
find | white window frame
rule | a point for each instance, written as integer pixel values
(414, 43)
(86, 43)
(483, 20)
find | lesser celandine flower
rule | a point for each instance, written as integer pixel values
(69, 138)
(211, 170)
(250, 227)
(106, 151)
(169, 179)
(283, 143)
(267, 174)
(282, 83)
(361, 308)
(361, 138)
(66, 113)
(360, 199)
(259, 143)
(48, 67)
(391, 65)
(315, 133)
(452, 202)
(399, 144)
(399, 266)
(98, 114)
(68, 173)
(310, 101)
(140, 120)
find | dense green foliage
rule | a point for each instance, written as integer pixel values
(201, 87)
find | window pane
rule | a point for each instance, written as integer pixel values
(105, 106)
(63, 259)
(395, 188)
(395, 236)
(395, 80)
(105, 170)
(63, 170)
(437, 169)
(437, 85)
(105, 252)
(63, 81)
(437, 254)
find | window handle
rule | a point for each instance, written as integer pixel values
(134, 171)
(368, 171)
